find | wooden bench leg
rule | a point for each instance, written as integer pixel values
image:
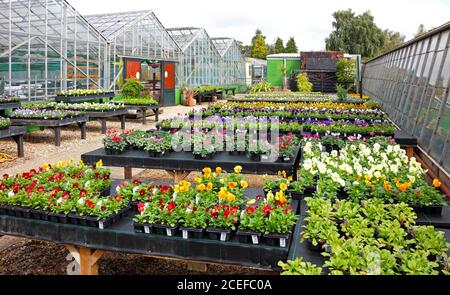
(156, 115)
(57, 132)
(128, 172)
(122, 122)
(103, 124)
(82, 126)
(144, 116)
(20, 150)
(86, 258)
(178, 175)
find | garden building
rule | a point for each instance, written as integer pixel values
(232, 62)
(275, 63)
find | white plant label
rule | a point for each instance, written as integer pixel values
(100, 225)
(283, 243)
(255, 239)
(168, 232)
(223, 237)
(185, 234)
(146, 229)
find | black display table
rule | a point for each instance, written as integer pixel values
(143, 110)
(88, 243)
(8, 105)
(103, 116)
(180, 164)
(55, 125)
(17, 133)
(81, 98)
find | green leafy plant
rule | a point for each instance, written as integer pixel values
(345, 71)
(429, 239)
(132, 88)
(303, 83)
(4, 122)
(261, 87)
(299, 267)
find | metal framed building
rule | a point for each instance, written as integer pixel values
(200, 63)
(232, 62)
(139, 43)
(413, 83)
(47, 46)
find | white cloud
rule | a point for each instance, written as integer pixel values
(308, 21)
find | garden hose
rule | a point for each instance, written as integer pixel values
(6, 158)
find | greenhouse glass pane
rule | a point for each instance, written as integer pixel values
(442, 130)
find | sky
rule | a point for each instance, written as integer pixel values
(309, 22)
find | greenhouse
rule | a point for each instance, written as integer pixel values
(129, 148)
(47, 46)
(232, 63)
(200, 64)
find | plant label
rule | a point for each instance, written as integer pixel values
(168, 232)
(287, 159)
(185, 234)
(283, 243)
(255, 239)
(223, 237)
(265, 158)
(100, 225)
(146, 229)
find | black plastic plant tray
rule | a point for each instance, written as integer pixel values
(276, 240)
(192, 233)
(166, 230)
(429, 210)
(248, 237)
(218, 234)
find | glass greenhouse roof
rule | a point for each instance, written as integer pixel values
(185, 36)
(222, 44)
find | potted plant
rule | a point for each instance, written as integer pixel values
(258, 150)
(223, 220)
(114, 143)
(299, 267)
(279, 224)
(251, 225)
(194, 222)
(156, 146)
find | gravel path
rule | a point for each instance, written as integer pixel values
(24, 256)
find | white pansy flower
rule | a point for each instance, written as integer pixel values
(376, 147)
(322, 167)
(86, 185)
(412, 179)
(99, 203)
(394, 169)
(60, 200)
(135, 189)
(334, 153)
(355, 183)
(377, 174)
(11, 194)
(80, 201)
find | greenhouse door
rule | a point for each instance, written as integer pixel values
(168, 89)
(133, 67)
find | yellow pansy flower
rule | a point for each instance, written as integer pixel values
(209, 186)
(237, 169)
(99, 164)
(232, 185)
(244, 184)
(198, 180)
(207, 170)
(283, 186)
(218, 170)
(251, 201)
(222, 194)
(231, 197)
(201, 187)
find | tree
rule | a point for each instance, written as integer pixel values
(420, 30)
(245, 49)
(355, 34)
(259, 46)
(291, 47)
(345, 71)
(279, 46)
(392, 40)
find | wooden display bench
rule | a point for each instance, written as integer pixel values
(17, 133)
(103, 116)
(55, 124)
(142, 109)
(8, 106)
(81, 98)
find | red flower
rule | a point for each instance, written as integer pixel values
(226, 213)
(250, 210)
(2, 187)
(214, 213)
(288, 209)
(83, 193)
(117, 138)
(140, 206)
(65, 195)
(76, 185)
(41, 189)
(90, 204)
(171, 206)
(136, 181)
(266, 210)
(142, 193)
(96, 175)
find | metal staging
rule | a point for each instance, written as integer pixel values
(232, 62)
(46, 46)
(413, 83)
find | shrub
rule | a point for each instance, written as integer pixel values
(345, 71)
(303, 83)
(261, 87)
(342, 91)
(132, 88)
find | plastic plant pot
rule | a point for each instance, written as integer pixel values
(248, 237)
(192, 233)
(218, 234)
